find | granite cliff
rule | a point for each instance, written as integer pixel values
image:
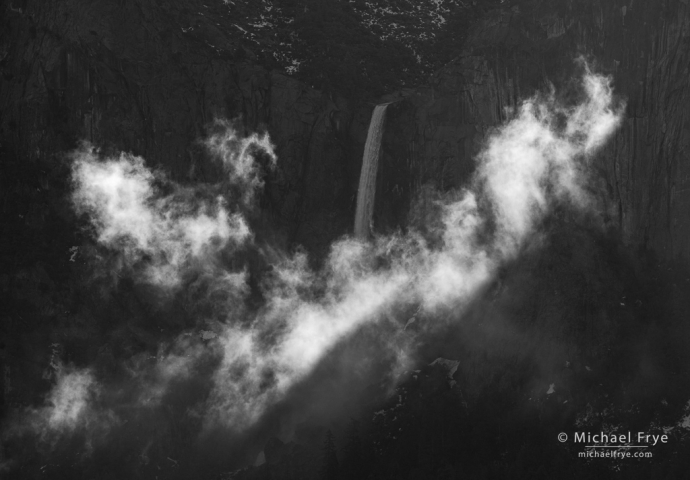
(593, 322)
(147, 78)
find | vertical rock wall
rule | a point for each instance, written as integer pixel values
(515, 50)
(147, 78)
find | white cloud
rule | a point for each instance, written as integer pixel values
(529, 163)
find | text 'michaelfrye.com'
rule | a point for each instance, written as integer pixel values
(615, 445)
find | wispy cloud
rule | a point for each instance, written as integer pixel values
(527, 165)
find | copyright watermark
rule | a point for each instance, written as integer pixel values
(614, 445)
(629, 439)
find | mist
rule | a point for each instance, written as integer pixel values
(172, 238)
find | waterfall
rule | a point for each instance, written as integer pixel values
(367, 179)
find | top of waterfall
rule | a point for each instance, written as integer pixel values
(383, 104)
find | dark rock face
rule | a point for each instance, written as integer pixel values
(514, 51)
(130, 79)
(148, 77)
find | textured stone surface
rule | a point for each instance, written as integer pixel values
(136, 78)
(139, 78)
(147, 77)
(515, 50)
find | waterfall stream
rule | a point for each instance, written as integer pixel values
(367, 179)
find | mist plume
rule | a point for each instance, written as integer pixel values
(162, 234)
